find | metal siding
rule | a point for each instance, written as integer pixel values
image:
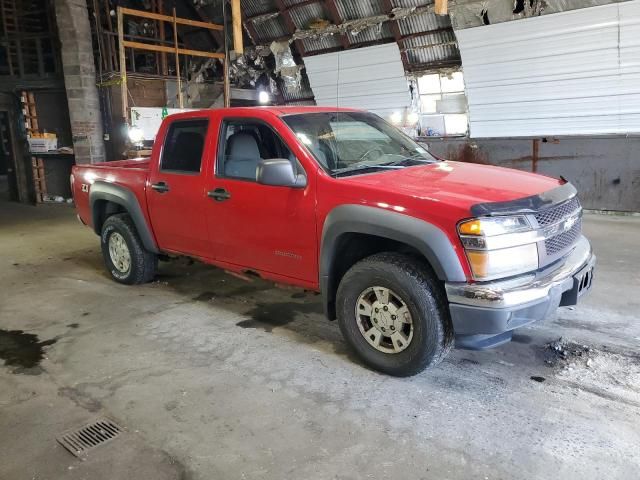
(270, 29)
(256, 7)
(302, 16)
(322, 43)
(350, 10)
(571, 73)
(377, 32)
(370, 78)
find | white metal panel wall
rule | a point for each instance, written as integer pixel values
(370, 78)
(571, 73)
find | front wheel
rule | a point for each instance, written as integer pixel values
(124, 255)
(393, 313)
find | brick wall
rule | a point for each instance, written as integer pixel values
(80, 80)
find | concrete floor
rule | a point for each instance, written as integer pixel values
(215, 378)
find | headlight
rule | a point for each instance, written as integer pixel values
(499, 247)
(505, 262)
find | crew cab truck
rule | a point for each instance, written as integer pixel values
(411, 253)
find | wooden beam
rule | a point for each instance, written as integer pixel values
(177, 50)
(167, 18)
(337, 20)
(236, 21)
(181, 51)
(164, 70)
(441, 7)
(217, 36)
(291, 26)
(123, 65)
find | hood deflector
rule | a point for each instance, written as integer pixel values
(532, 204)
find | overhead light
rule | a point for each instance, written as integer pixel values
(396, 117)
(263, 97)
(136, 135)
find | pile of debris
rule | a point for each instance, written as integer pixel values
(562, 352)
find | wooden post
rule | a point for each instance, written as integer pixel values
(441, 7)
(227, 89)
(175, 42)
(236, 18)
(163, 56)
(123, 65)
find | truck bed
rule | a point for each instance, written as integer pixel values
(128, 173)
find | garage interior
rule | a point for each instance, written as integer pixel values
(206, 375)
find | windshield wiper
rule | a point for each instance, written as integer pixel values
(365, 166)
(416, 157)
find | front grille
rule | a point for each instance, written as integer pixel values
(555, 214)
(558, 243)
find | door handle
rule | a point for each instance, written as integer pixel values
(160, 187)
(219, 194)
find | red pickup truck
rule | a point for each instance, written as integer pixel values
(411, 254)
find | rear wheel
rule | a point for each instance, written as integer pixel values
(393, 313)
(124, 255)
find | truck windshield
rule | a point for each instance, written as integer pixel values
(346, 143)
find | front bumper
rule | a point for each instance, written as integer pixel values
(485, 314)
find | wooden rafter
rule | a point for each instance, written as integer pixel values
(169, 18)
(397, 35)
(441, 7)
(290, 24)
(175, 49)
(332, 9)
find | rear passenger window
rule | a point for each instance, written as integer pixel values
(183, 146)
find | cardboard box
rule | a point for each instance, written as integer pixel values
(42, 144)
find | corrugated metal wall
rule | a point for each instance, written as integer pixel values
(571, 73)
(370, 78)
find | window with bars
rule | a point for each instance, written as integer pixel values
(443, 104)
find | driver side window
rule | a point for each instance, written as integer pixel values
(243, 144)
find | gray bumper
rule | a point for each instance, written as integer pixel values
(485, 314)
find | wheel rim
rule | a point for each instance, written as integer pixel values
(119, 253)
(384, 320)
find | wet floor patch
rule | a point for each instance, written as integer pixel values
(22, 351)
(267, 316)
(231, 291)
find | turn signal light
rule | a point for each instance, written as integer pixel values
(472, 227)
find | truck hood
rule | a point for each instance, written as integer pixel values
(457, 184)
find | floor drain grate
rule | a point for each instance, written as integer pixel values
(80, 440)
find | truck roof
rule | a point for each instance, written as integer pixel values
(275, 110)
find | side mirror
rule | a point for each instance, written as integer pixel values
(279, 172)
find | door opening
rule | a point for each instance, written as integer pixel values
(8, 180)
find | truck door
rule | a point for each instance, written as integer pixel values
(259, 227)
(176, 191)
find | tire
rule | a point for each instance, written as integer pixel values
(120, 232)
(424, 341)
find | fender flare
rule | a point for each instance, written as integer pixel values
(425, 237)
(125, 198)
